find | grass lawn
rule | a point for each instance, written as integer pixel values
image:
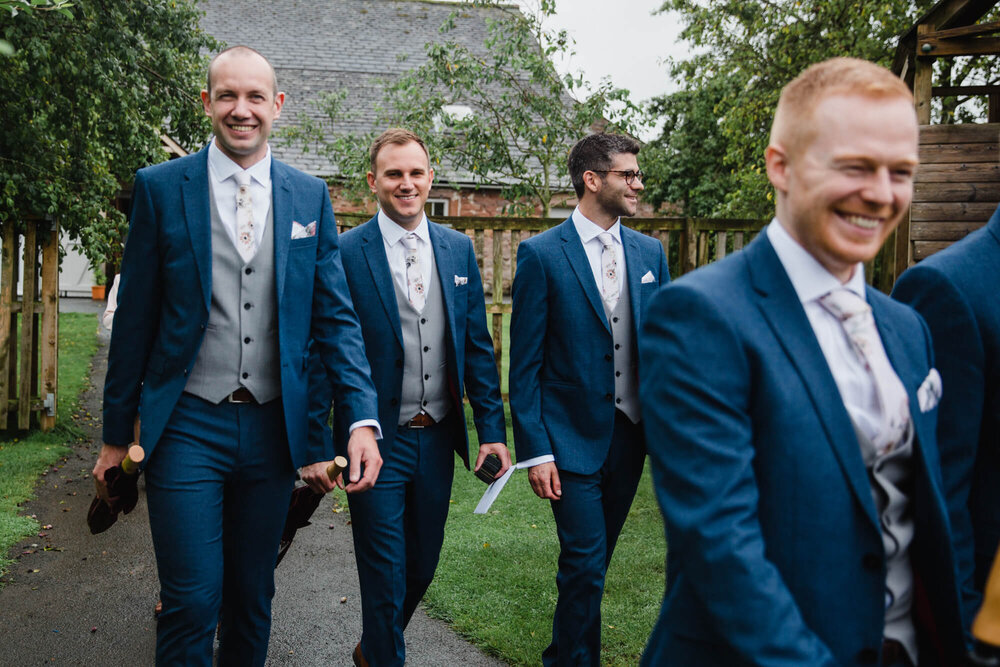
(496, 581)
(24, 455)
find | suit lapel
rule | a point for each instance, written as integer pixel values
(282, 196)
(446, 271)
(198, 216)
(373, 247)
(783, 311)
(633, 272)
(577, 256)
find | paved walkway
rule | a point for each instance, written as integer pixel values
(78, 599)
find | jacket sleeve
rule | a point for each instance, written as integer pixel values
(136, 319)
(528, 322)
(482, 382)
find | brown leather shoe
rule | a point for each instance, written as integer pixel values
(359, 658)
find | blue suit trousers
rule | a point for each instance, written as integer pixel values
(398, 531)
(589, 517)
(218, 486)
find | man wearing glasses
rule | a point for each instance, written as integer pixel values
(579, 294)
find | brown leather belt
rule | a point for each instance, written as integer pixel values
(241, 395)
(422, 420)
(893, 653)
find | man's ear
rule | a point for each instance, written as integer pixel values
(592, 181)
(279, 101)
(776, 161)
(371, 182)
(206, 102)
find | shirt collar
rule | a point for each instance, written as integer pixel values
(589, 230)
(392, 231)
(223, 167)
(810, 279)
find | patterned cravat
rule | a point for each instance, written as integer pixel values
(855, 315)
(246, 240)
(414, 277)
(609, 270)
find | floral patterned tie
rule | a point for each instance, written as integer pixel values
(246, 240)
(609, 270)
(414, 276)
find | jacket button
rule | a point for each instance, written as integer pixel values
(871, 562)
(868, 656)
(607, 357)
(618, 374)
(426, 348)
(246, 306)
(246, 375)
(608, 397)
(618, 401)
(614, 319)
(423, 320)
(394, 402)
(248, 271)
(618, 346)
(427, 376)
(247, 340)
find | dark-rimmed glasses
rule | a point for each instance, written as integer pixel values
(628, 174)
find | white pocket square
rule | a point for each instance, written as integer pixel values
(461, 280)
(647, 278)
(929, 392)
(300, 231)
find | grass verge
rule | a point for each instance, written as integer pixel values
(496, 585)
(25, 454)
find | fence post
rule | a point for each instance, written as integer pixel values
(689, 247)
(498, 299)
(7, 317)
(49, 340)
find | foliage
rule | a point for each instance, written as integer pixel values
(13, 7)
(86, 99)
(524, 117)
(24, 456)
(709, 159)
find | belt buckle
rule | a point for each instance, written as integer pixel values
(231, 398)
(411, 424)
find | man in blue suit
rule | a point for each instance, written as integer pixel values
(580, 293)
(956, 292)
(424, 326)
(790, 414)
(231, 278)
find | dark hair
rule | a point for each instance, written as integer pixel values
(397, 136)
(595, 152)
(245, 51)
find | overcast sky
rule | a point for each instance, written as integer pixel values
(622, 40)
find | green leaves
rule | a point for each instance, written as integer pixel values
(88, 99)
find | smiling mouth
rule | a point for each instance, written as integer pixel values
(242, 128)
(862, 221)
(407, 197)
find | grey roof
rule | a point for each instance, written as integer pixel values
(329, 45)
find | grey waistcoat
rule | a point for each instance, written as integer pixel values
(425, 357)
(888, 475)
(626, 372)
(240, 346)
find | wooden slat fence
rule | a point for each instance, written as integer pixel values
(29, 327)
(688, 242)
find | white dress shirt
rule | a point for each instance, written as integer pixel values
(395, 251)
(811, 281)
(589, 231)
(222, 170)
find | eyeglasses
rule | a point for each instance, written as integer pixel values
(628, 175)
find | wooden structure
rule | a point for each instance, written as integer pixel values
(958, 184)
(688, 242)
(29, 327)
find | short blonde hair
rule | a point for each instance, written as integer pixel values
(792, 127)
(398, 136)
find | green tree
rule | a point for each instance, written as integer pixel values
(524, 115)
(709, 159)
(13, 7)
(85, 99)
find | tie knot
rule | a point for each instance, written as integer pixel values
(844, 304)
(410, 241)
(606, 239)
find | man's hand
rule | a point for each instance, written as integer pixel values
(497, 448)
(362, 448)
(315, 476)
(544, 479)
(109, 457)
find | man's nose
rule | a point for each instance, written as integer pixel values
(879, 187)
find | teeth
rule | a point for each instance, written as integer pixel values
(242, 128)
(407, 196)
(863, 222)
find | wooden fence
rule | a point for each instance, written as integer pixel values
(29, 327)
(688, 242)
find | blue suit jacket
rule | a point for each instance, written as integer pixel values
(471, 364)
(561, 358)
(775, 553)
(956, 290)
(165, 293)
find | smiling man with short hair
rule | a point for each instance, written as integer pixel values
(791, 411)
